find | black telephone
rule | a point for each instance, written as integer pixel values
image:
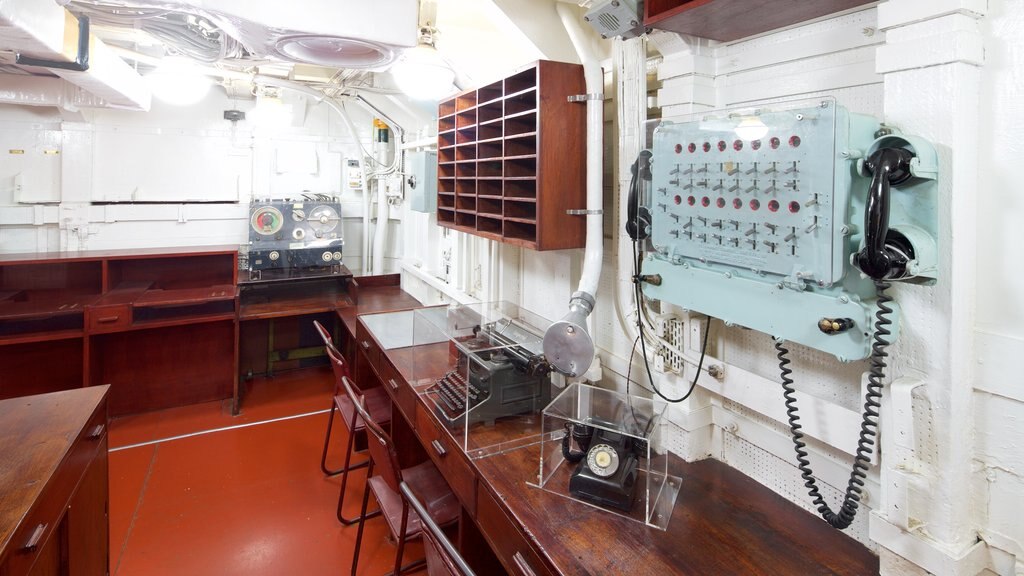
(886, 253)
(885, 256)
(607, 463)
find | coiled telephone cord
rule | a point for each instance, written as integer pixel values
(868, 428)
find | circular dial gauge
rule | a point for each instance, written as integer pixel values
(323, 219)
(603, 460)
(267, 220)
(298, 215)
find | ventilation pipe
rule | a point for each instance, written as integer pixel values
(568, 345)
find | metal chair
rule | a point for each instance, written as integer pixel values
(386, 477)
(377, 403)
(442, 558)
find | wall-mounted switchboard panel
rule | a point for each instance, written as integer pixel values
(755, 216)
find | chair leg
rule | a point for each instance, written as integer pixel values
(401, 538)
(348, 454)
(362, 521)
(344, 483)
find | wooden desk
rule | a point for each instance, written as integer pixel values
(53, 484)
(723, 521)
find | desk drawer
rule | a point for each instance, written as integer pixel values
(109, 318)
(402, 394)
(507, 541)
(367, 346)
(32, 537)
(448, 458)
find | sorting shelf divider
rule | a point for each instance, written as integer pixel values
(511, 158)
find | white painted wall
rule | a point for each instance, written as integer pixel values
(74, 185)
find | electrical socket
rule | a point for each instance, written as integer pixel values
(696, 334)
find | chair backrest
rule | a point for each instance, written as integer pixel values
(338, 363)
(442, 558)
(382, 448)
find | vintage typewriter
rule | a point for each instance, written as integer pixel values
(495, 376)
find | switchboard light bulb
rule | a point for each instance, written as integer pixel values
(422, 74)
(176, 81)
(751, 128)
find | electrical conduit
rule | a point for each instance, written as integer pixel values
(567, 343)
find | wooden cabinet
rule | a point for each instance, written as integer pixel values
(511, 159)
(54, 505)
(728, 20)
(159, 325)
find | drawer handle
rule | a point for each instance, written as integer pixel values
(523, 565)
(366, 345)
(439, 448)
(97, 431)
(35, 538)
(108, 319)
(394, 385)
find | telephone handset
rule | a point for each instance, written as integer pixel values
(884, 256)
(607, 464)
(638, 217)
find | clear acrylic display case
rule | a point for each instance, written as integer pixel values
(495, 385)
(603, 448)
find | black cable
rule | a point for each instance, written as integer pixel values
(868, 427)
(634, 197)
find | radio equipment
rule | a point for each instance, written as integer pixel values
(294, 234)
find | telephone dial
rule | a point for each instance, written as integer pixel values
(794, 219)
(607, 463)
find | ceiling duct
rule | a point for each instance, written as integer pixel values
(334, 33)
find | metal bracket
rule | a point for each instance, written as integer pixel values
(585, 97)
(81, 63)
(584, 212)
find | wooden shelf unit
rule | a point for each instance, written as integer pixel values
(728, 20)
(159, 326)
(511, 159)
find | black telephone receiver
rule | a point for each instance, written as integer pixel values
(638, 218)
(885, 255)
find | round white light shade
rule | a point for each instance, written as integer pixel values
(176, 81)
(422, 74)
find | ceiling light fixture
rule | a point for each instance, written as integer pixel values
(422, 73)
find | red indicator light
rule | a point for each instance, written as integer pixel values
(720, 202)
(794, 141)
(737, 203)
(722, 145)
(707, 147)
(755, 204)
(774, 143)
(691, 200)
(692, 147)
(737, 145)
(678, 199)
(679, 148)
(705, 201)
(773, 205)
(756, 144)
(794, 207)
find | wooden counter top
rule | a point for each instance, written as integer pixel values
(723, 523)
(36, 435)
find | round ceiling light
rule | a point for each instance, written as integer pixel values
(334, 51)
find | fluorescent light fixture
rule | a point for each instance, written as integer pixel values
(422, 74)
(178, 81)
(751, 128)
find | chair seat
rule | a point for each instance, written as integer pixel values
(429, 487)
(378, 404)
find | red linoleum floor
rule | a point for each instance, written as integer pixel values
(246, 496)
